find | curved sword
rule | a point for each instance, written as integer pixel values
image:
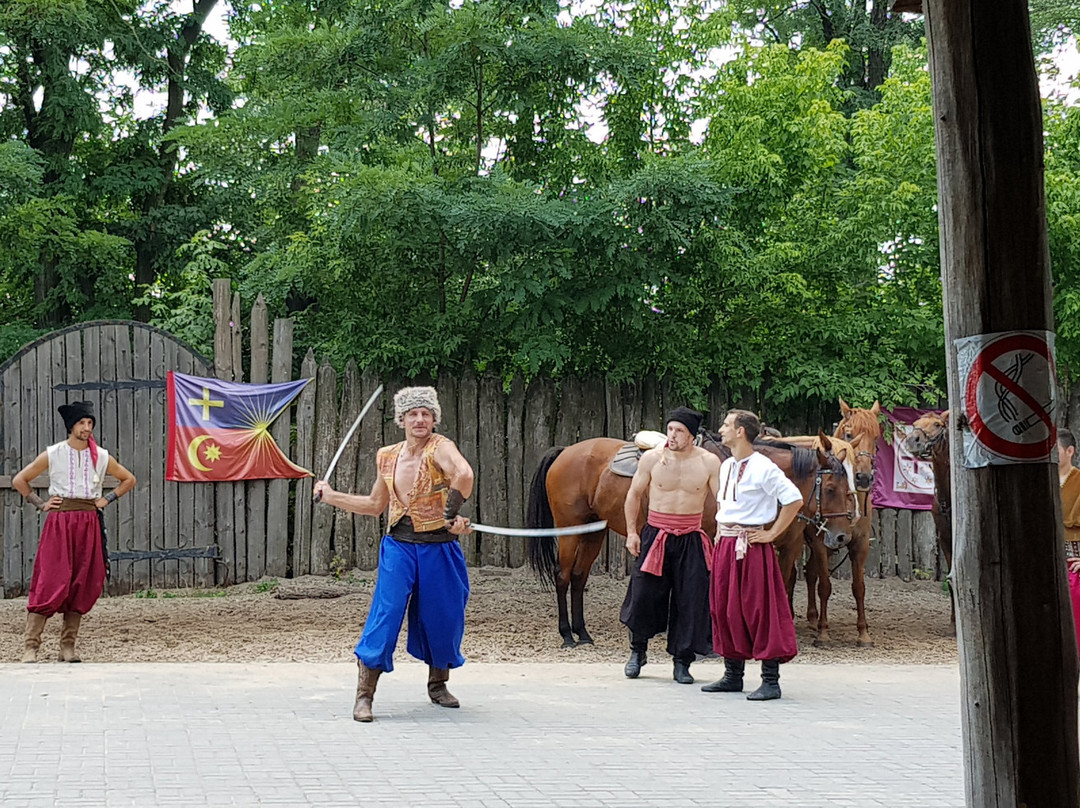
(591, 527)
(348, 436)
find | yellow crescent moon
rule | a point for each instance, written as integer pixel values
(193, 452)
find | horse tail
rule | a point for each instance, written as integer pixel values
(543, 550)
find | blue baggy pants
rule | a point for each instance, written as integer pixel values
(431, 582)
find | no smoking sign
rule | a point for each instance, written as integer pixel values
(1009, 397)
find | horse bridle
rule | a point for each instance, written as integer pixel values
(819, 519)
(932, 443)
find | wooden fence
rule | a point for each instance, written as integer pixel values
(272, 528)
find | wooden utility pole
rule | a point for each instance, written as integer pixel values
(1018, 656)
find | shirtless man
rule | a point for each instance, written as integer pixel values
(669, 586)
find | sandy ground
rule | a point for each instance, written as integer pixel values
(511, 618)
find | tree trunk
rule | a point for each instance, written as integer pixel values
(1017, 648)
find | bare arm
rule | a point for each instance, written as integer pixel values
(126, 478)
(632, 507)
(714, 489)
(21, 483)
(371, 505)
(456, 467)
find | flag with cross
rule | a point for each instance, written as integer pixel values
(220, 431)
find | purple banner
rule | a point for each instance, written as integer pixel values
(901, 480)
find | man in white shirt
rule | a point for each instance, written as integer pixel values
(750, 614)
(70, 564)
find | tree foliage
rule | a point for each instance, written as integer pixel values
(732, 191)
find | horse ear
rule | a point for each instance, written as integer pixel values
(945, 416)
(841, 455)
(823, 458)
(826, 444)
(844, 408)
(876, 409)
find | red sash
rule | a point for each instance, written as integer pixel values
(673, 524)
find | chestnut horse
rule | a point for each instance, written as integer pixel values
(862, 429)
(574, 485)
(929, 440)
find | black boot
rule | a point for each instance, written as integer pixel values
(633, 665)
(732, 681)
(681, 673)
(770, 682)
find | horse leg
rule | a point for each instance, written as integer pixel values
(789, 546)
(567, 554)
(588, 551)
(820, 561)
(859, 550)
(810, 572)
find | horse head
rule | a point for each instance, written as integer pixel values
(927, 433)
(831, 497)
(862, 429)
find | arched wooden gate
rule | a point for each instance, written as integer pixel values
(120, 366)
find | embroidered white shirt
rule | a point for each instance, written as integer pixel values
(72, 475)
(750, 489)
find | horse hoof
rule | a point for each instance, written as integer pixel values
(586, 640)
(569, 643)
(823, 643)
(864, 644)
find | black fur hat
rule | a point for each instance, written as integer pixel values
(75, 412)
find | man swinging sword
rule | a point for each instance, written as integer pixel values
(424, 481)
(69, 568)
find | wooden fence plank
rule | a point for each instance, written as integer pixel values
(924, 544)
(36, 436)
(540, 416)
(447, 388)
(515, 467)
(888, 542)
(468, 413)
(224, 493)
(185, 495)
(717, 406)
(140, 456)
(277, 511)
(109, 433)
(345, 476)
(255, 490)
(491, 468)
(170, 573)
(126, 451)
(326, 443)
(14, 460)
(633, 409)
(367, 531)
(569, 407)
(158, 491)
(651, 412)
(305, 456)
(204, 506)
(904, 555)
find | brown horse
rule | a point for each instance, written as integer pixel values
(575, 485)
(929, 440)
(861, 428)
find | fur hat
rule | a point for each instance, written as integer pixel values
(75, 412)
(689, 418)
(409, 398)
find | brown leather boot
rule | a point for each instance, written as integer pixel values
(35, 624)
(436, 687)
(68, 635)
(366, 680)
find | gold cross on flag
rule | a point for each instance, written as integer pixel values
(206, 403)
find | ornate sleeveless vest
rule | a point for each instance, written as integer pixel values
(427, 500)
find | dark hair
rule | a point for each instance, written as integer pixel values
(1066, 438)
(748, 421)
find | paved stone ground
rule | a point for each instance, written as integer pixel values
(528, 735)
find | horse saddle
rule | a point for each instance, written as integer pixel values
(625, 462)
